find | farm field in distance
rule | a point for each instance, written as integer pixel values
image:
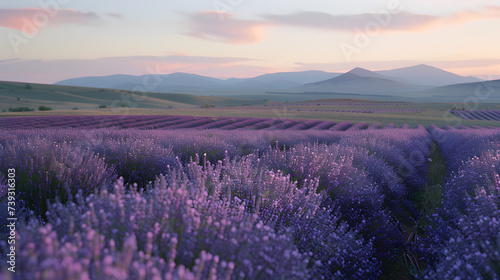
(63, 99)
(342, 188)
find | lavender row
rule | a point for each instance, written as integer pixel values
(490, 115)
(366, 111)
(466, 238)
(177, 122)
(347, 104)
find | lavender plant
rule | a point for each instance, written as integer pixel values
(471, 247)
(138, 160)
(46, 170)
(464, 232)
(253, 205)
(158, 233)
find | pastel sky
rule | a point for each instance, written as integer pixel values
(50, 40)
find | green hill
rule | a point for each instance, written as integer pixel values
(14, 95)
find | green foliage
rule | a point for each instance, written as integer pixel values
(18, 99)
(207, 106)
(20, 109)
(103, 106)
(437, 166)
(44, 108)
(76, 108)
(28, 86)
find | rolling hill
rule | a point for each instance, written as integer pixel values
(358, 81)
(128, 82)
(60, 97)
(484, 91)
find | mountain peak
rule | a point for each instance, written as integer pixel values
(423, 74)
(365, 73)
(359, 70)
(423, 67)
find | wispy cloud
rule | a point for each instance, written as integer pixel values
(115, 15)
(9, 60)
(493, 9)
(402, 21)
(347, 23)
(19, 19)
(181, 58)
(210, 26)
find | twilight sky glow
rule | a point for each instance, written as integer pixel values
(50, 40)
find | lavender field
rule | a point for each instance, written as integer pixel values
(249, 199)
(484, 115)
(162, 122)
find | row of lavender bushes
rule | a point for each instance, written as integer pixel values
(266, 205)
(466, 231)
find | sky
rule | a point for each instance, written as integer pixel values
(47, 41)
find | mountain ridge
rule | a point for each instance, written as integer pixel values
(423, 74)
(357, 80)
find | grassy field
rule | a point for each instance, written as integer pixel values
(68, 97)
(63, 100)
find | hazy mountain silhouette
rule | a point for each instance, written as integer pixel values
(100, 81)
(303, 77)
(358, 80)
(186, 82)
(483, 91)
(129, 81)
(427, 75)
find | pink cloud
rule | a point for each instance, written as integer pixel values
(493, 9)
(489, 12)
(30, 20)
(222, 27)
(395, 21)
(115, 15)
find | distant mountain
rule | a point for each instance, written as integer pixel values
(301, 78)
(365, 73)
(129, 82)
(484, 91)
(185, 79)
(100, 82)
(427, 75)
(191, 83)
(358, 80)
